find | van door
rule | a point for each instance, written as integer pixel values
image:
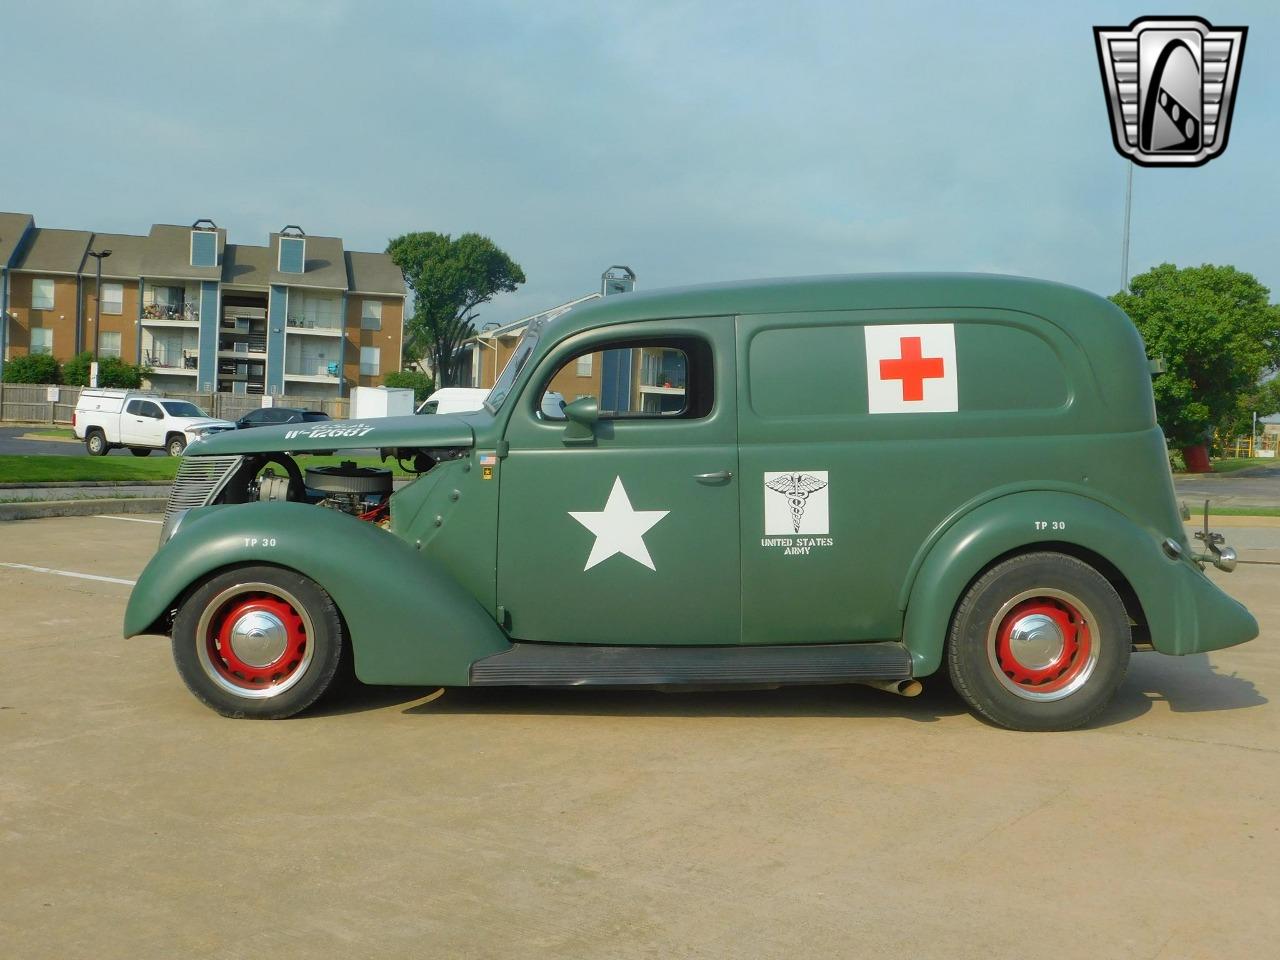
(828, 517)
(142, 424)
(632, 536)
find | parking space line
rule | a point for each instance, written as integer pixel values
(108, 516)
(67, 573)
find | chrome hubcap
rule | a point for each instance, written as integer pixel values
(259, 638)
(1036, 641)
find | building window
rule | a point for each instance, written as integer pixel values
(170, 298)
(204, 248)
(41, 293)
(293, 255)
(41, 340)
(371, 315)
(370, 361)
(113, 298)
(584, 365)
(108, 344)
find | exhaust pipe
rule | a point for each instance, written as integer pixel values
(903, 688)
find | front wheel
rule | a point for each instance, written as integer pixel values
(1039, 642)
(260, 642)
(176, 446)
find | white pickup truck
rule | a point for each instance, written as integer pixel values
(105, 419)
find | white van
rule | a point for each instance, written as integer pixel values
(462, 399)
(105, 419)
(454, 400)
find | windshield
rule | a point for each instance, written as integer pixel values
(181, 408)
(512, 370)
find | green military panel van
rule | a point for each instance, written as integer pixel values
(834, 480)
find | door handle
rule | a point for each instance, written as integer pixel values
(718, 476)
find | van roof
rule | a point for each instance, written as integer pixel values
(1070, 307)
(114, 392)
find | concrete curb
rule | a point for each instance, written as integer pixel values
(37, 509)
(52, 484)
(1233, 520)
(39, 439)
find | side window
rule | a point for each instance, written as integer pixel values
(134, 407)
(41, 293)
(151, 410)
(634, 381)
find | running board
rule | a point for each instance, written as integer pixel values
(574, 665)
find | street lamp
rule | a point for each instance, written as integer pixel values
(97, 327)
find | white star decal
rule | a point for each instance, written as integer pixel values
(619, 528)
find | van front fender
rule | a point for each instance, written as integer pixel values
(409, 621)
(1184, 611)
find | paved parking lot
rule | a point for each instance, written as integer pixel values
(836, 822)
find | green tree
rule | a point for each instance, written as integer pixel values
(1264, 400)
(112, 372)
(1217, 332)
(420, 383)
(33, 368)
(449, 279)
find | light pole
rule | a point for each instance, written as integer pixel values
(97, 325)
(1124, 255)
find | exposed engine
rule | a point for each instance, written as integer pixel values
(363, 492)
(360, 491)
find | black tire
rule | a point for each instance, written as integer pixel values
(298, 677)
(175, 445)
(140, 451)
(96, 443)
(1065, 620)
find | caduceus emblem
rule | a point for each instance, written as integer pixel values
(796, 487)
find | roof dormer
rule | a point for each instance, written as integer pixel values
(292, 256)
(204, 243)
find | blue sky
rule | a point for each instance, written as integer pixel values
(694, 142)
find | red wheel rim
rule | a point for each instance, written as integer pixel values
(256, 641)
(1044, 645)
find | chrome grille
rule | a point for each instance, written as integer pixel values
(199, 480)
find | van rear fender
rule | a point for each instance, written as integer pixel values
(1048, 520)
(409, 621)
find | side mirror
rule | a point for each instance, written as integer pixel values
(582, 415)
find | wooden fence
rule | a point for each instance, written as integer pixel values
(48, 404)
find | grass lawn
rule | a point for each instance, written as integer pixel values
(125, 469)
(1232, 464)
(1238, 512)
(58, 433)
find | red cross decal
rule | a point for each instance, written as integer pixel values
(911, 368)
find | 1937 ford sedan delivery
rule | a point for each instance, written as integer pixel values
(834, 480)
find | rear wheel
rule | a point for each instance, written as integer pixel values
(1039, 642)
(140, 451)
(259, 642)
(175, 446)
(96, 443)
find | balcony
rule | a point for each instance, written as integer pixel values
(170, 315)
(183, 362)
(314, 371)
(312, 327)
(247, 346)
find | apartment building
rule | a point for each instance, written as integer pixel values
(299, 315)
